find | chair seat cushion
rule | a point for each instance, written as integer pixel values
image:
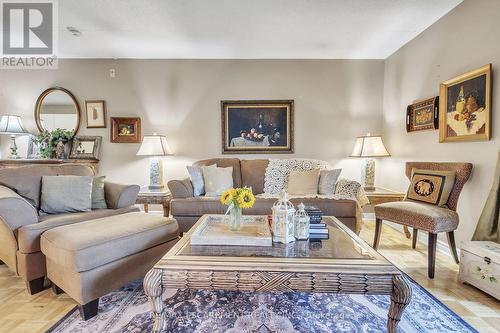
(422, 216)
(83, 246)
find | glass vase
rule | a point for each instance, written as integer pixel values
(235, 218)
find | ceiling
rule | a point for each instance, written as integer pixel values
(244, 29)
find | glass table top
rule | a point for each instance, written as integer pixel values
(341, 244)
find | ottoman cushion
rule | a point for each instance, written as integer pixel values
(87, 245)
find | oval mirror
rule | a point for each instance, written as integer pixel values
(57, 108)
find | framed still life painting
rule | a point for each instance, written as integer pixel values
(257, 127)
(465, 107)
(126, 130)
(96, 114)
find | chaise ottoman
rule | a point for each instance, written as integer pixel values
(87, 260)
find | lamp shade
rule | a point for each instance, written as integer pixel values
(11, 125)
(369, 146)
(154, 145)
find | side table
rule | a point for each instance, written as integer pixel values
(149, 196)
(382, 195)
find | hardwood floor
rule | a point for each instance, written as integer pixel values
(20, 312)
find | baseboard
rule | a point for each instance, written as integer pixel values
(441, 247)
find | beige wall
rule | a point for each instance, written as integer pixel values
(465, 39)
(335, 100)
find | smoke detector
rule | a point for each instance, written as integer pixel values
(74, 31)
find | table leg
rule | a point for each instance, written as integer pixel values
(401, 296)
(146, 208)
(166, 208)
(407, 232)
(153, 289)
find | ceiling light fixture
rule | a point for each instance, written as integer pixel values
(74, 31)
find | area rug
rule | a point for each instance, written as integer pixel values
(128, 310)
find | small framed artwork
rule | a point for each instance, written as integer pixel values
(264, 127)
(125, 130)
(96, 114)
(465, 107)
(86, 147)
(423, 115)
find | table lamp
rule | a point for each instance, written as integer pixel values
(155, 146)
(368, 147)
(12, 125)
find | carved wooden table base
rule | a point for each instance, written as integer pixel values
(395, 285)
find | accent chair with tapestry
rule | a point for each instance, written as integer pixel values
(425, 206)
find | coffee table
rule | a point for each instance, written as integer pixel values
(342, 264)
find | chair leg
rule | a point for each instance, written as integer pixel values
(35, 286)
(415, 237)
(378, 229)
(89, 310)
(451, 243)
(432, 255)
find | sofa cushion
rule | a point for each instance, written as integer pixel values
(217, 180)
(253, 173)
(66, 194)
(262, 206)
(90, 244)
(327, 181)
(303, 182)
(27, 180)
(29, 235)
(197, 181)
(98, 197)
(419, 215)
(224, 163)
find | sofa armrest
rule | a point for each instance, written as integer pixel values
(14, 210)
(119, 195)
(181, 189)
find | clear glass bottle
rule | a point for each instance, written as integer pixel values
(302, 221)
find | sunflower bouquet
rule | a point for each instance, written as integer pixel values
(237, 199)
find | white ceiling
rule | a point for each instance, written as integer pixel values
(244, 29)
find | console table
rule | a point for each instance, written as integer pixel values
(16, 163)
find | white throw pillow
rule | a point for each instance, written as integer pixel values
(217, 180)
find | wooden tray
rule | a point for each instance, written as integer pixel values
(214, 230)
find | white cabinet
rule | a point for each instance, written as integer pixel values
(480, 266)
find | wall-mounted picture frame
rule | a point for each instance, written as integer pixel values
(465, 107)
(126, 129)
(257, 126)
(423, 115)
(96, 114)
(86, 147)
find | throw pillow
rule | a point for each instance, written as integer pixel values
(217, 180)
(303, 182)
(431, 186)
(98, 197)
(327, 181)
(347, 188)
(66, 194)
(196, 176)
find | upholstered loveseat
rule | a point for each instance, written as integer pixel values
(21, 225)
(187, 208)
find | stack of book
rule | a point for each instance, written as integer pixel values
(317, 229)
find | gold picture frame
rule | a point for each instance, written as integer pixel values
(465, 107)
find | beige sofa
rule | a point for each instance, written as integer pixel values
(187, 209)
(21, 226)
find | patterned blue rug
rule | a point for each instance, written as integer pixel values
(128, 310)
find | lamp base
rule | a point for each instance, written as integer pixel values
(13, 148)
(156, 173)
(368, 174)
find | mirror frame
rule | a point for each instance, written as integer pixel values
(44, 94)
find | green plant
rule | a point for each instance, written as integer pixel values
(47, 141)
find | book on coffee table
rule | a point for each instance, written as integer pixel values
(214, 230)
